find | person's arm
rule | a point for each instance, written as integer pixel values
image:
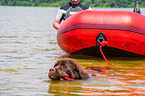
(58, 19)
(56, 24)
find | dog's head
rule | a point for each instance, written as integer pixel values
(67, 68)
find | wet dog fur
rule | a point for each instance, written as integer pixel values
(69, 68)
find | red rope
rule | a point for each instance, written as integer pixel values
(103, 43)
(66, 78)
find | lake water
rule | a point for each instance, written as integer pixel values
(28, 49)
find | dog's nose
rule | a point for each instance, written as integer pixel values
(52, 69)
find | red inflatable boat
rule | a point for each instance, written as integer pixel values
(123, 30)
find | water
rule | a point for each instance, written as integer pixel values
(28, 48)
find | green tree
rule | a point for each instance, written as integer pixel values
(56, 3)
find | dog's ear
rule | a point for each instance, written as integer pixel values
(81, 72)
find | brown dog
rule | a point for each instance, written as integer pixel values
(67, 69)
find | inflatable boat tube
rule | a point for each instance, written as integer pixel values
(123, 30)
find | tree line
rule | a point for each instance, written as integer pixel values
(58, 3)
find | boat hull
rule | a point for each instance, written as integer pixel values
(123, 30)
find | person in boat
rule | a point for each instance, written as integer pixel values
(67, 10)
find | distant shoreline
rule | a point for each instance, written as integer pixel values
(59, 3)
(59, 6)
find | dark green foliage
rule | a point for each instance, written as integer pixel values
(58, 3)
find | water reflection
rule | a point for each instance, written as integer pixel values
(125, 77)
(64, 88)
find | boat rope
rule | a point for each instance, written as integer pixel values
(103, 43)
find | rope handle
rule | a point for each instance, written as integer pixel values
(103, 43)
